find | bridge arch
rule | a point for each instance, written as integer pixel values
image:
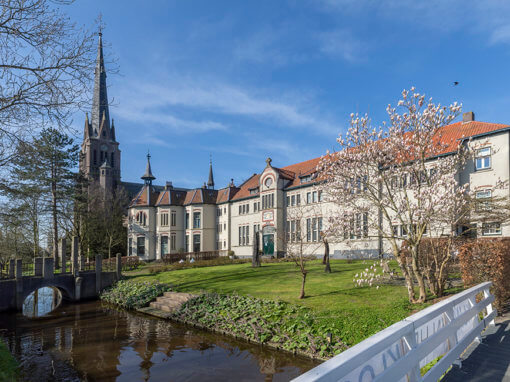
(64, 283)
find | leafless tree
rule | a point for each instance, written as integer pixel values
(303, 237)
(46, 65)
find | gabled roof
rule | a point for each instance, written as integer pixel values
(174, 197)
(453, 134)
(142, 198)
(244, 189)
(226, 194)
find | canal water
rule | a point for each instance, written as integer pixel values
(92, 341)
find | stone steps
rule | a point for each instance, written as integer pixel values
(170, 301)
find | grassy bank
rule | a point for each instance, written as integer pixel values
(8, 365)
(351, 312)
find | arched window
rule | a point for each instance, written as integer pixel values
(95, 156)
(112, 161)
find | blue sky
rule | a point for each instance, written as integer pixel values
(244, 80)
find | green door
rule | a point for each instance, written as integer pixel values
(268, 241)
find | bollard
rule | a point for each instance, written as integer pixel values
(48, 267)
(12, 268)
(99, 266)
(62, 254)
(74, 256)
(19, 283)
(118, 267)
(38, 266)
(19, 269)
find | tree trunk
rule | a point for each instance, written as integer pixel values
(419, 276)
(408, 279)
(326, 257)
(303, 281)
(54, 216)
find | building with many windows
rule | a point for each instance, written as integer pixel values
(286, 203)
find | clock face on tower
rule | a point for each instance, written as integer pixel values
(104, 148)
(268, 182)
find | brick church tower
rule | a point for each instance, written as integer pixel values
(100, 154)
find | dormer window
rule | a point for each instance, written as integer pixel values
(306, 179)
(255, 191)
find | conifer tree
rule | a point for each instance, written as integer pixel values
(46, 166)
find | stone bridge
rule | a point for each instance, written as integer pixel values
(74, 284)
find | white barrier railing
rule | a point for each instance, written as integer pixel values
(398, 352)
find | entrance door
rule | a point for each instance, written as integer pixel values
(268, 241)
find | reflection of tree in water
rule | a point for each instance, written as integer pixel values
(105, 343)
(41, 302)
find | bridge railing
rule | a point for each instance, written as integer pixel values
(398, 352)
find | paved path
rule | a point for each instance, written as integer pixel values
(488, 361)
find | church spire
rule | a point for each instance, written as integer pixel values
(100, 97)
(87, 130)
(148, 177)
(210, 183)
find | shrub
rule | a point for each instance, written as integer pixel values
(131, 294)
(487, 260)
(8, 365)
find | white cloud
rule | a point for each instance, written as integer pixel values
(488, 17)
(341, 43)
(150, 102)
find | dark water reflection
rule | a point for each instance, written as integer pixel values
(41, 302)
(92, 342)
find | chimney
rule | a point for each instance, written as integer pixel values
(168, 185)
(468, 117)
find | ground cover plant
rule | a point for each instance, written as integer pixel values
(132, 295)
(8, 365)
(353, 313)
(287, 326)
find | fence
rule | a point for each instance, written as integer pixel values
(170, 258)
(398, 352)
(127, 263)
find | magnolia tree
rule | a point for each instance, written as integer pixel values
(402, 177)
(304, 236)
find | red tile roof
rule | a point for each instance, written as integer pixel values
(244, 189)
(451, 135)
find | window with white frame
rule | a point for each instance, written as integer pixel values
(483, 200)
(173, 220)
(164, 219)
(173, 240)
(140, 246)
(196, 219)
(141, 218)
(164, 245)
(491, 229)
(483, 159)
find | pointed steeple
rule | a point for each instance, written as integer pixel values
(100, 97)
(148, 177)
(210, 182)
(112, 132)
(87, 130)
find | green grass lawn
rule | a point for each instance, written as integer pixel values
(357, 311)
